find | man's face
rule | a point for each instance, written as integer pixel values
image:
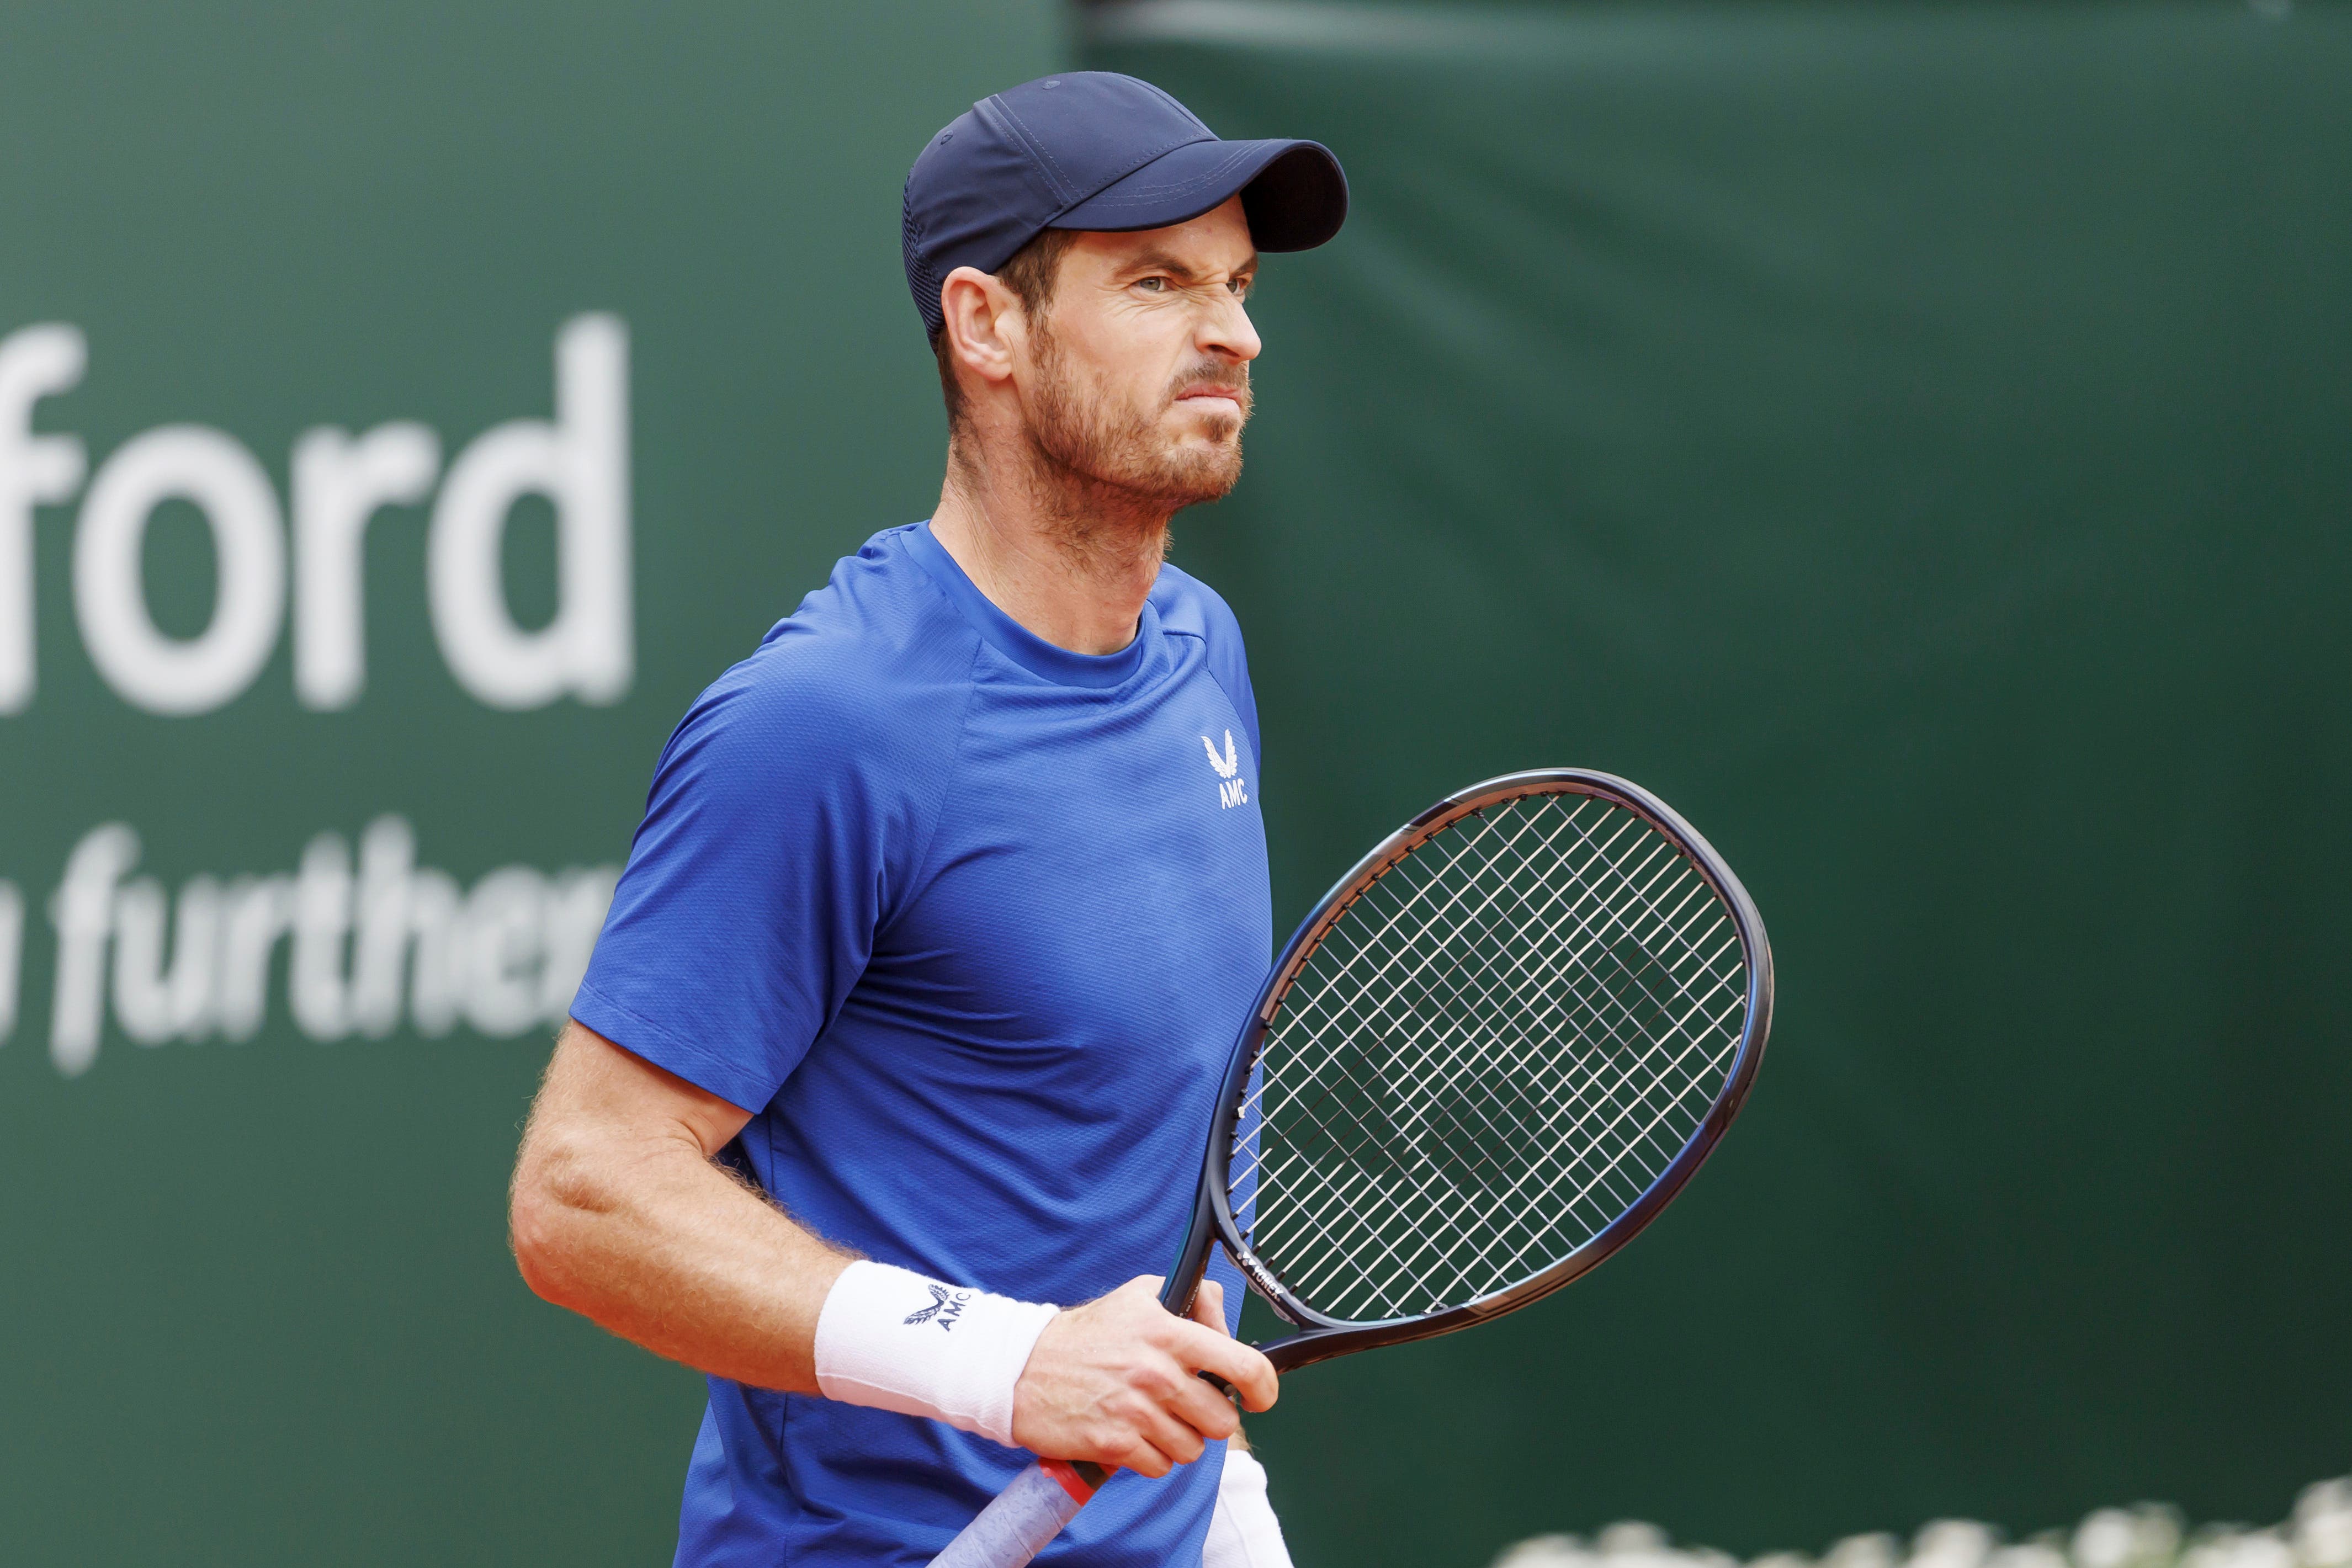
(1138, 375)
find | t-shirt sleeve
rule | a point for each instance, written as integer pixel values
(754, 888)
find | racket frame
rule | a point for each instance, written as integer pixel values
(1321, 1337)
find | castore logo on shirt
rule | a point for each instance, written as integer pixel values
(1234, 790)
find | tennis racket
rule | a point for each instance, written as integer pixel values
(1490, 1056)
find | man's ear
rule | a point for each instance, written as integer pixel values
(985, 329)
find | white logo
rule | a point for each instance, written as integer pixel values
(307, 559)
(1234, 790)
(365, 946)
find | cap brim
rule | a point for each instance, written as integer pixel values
(1293, 191)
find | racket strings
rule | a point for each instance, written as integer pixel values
(1491, 1053)
(1449, 1179)
(1455, 1067)
(1577, 1103)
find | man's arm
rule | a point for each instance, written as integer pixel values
(618, 1214)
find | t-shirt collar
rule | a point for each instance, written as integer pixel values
(1016, 641)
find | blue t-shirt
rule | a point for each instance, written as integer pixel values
(968, 922)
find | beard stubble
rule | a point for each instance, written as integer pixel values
(1105, 443)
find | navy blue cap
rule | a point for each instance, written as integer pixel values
(1095, 149)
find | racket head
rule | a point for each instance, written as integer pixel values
(1570, 910)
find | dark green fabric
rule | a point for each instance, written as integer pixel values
(1916, 441)
(256, 1303)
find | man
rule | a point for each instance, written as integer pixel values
(907, 1022)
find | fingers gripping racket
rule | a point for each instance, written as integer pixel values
(1490, 1056)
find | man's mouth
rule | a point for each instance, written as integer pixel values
(1216, 390)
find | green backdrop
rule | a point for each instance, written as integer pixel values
(256, 1305)
(1916, 440)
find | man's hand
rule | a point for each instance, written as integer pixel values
(1115, 1381)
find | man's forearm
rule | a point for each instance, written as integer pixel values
(632, 1226)
(619, 1214)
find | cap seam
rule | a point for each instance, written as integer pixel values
(1159, 193)
(1037, 148)
(1128, 173)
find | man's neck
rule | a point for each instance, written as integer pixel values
(1070, 559)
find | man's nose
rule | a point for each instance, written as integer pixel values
(1226, 331)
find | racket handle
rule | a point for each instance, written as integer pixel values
(1024, 1516)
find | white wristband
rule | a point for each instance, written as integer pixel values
(893, 1340)
(1244, 1533)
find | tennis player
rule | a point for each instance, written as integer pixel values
(885, 1096)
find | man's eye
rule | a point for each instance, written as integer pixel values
(1156, 285)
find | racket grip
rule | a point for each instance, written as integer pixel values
(1023, 1517)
